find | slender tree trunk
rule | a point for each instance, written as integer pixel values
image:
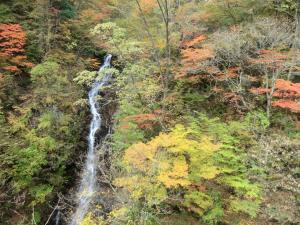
(168, 46)
(155, 53)
(165, 11)
(270, 94)
(147, 28)
(164, 82)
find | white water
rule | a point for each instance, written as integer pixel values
(57, 218)
(88, 180)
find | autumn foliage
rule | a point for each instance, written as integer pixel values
(193, 52)
(287, 94)
(187, 161)
(12, 43)
(272, 58)
(12, 39)
(143, 121)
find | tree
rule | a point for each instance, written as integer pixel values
(48, 17)
(187, 166)
(229, 12)
(188, 19)
(12, 43)
(44, 127)
(285, 93)
(165, 9)
(6, 15)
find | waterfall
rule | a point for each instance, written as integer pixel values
(88, 180)
(57, 218)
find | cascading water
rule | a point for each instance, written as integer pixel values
(88, 180)
(57, 218)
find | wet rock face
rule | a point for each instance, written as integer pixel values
(104, 196)
(109, 107)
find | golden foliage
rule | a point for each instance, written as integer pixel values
(170, 160)
(174, 175)
(191, 167)
(89, 219)
(142, 186)
(139, 155)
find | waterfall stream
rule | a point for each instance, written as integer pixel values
(57, 218)
(88, 180)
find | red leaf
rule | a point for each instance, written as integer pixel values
(12, 43)
(13, 69)
(288, 104)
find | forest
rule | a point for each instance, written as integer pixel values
(149, 112)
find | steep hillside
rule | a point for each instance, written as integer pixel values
(200, 116)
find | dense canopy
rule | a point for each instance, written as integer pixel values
(199, 112)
